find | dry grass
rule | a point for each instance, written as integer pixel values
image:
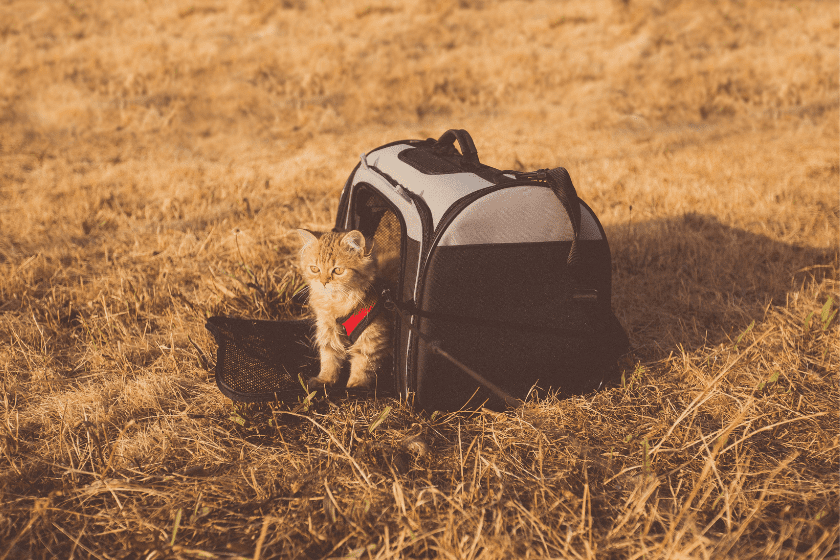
(150, 151)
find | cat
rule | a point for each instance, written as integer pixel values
(343, 274)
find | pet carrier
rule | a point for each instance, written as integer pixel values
(504, 284)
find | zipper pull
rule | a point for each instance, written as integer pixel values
(402, 192)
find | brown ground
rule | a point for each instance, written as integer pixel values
(149, 151)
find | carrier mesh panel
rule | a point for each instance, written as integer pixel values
(375, 219)
(517, 215)
(261, 360)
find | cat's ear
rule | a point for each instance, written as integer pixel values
(354, 240)
(307, 237)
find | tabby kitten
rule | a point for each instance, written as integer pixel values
(341, 271)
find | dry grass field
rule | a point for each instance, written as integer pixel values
(154, 157)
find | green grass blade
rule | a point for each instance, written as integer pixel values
(177, 524)
(827, 322)
(743, 334)
(381, 419)
(826, 309)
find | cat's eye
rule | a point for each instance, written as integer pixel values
(338, 270)
(315, 269)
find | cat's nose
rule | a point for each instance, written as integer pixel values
(325, 279)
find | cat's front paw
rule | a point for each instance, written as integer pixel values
(316, 383)
(362, 381)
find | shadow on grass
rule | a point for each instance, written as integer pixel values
(692, 281)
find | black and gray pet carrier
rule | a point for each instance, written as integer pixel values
(505, 284)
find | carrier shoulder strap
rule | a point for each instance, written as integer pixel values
(561, 184)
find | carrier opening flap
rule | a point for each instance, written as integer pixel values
(261, 360)
(438, 191)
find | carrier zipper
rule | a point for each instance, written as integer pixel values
(402, 191)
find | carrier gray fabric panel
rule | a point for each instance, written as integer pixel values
(517, 215)
(413, 225)
(438, 191)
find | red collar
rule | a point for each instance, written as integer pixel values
(355, 323)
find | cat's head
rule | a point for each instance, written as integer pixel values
(337, 265)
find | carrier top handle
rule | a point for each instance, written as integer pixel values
(561, 184)
(465, 141)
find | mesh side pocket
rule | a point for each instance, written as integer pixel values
(260, 360)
